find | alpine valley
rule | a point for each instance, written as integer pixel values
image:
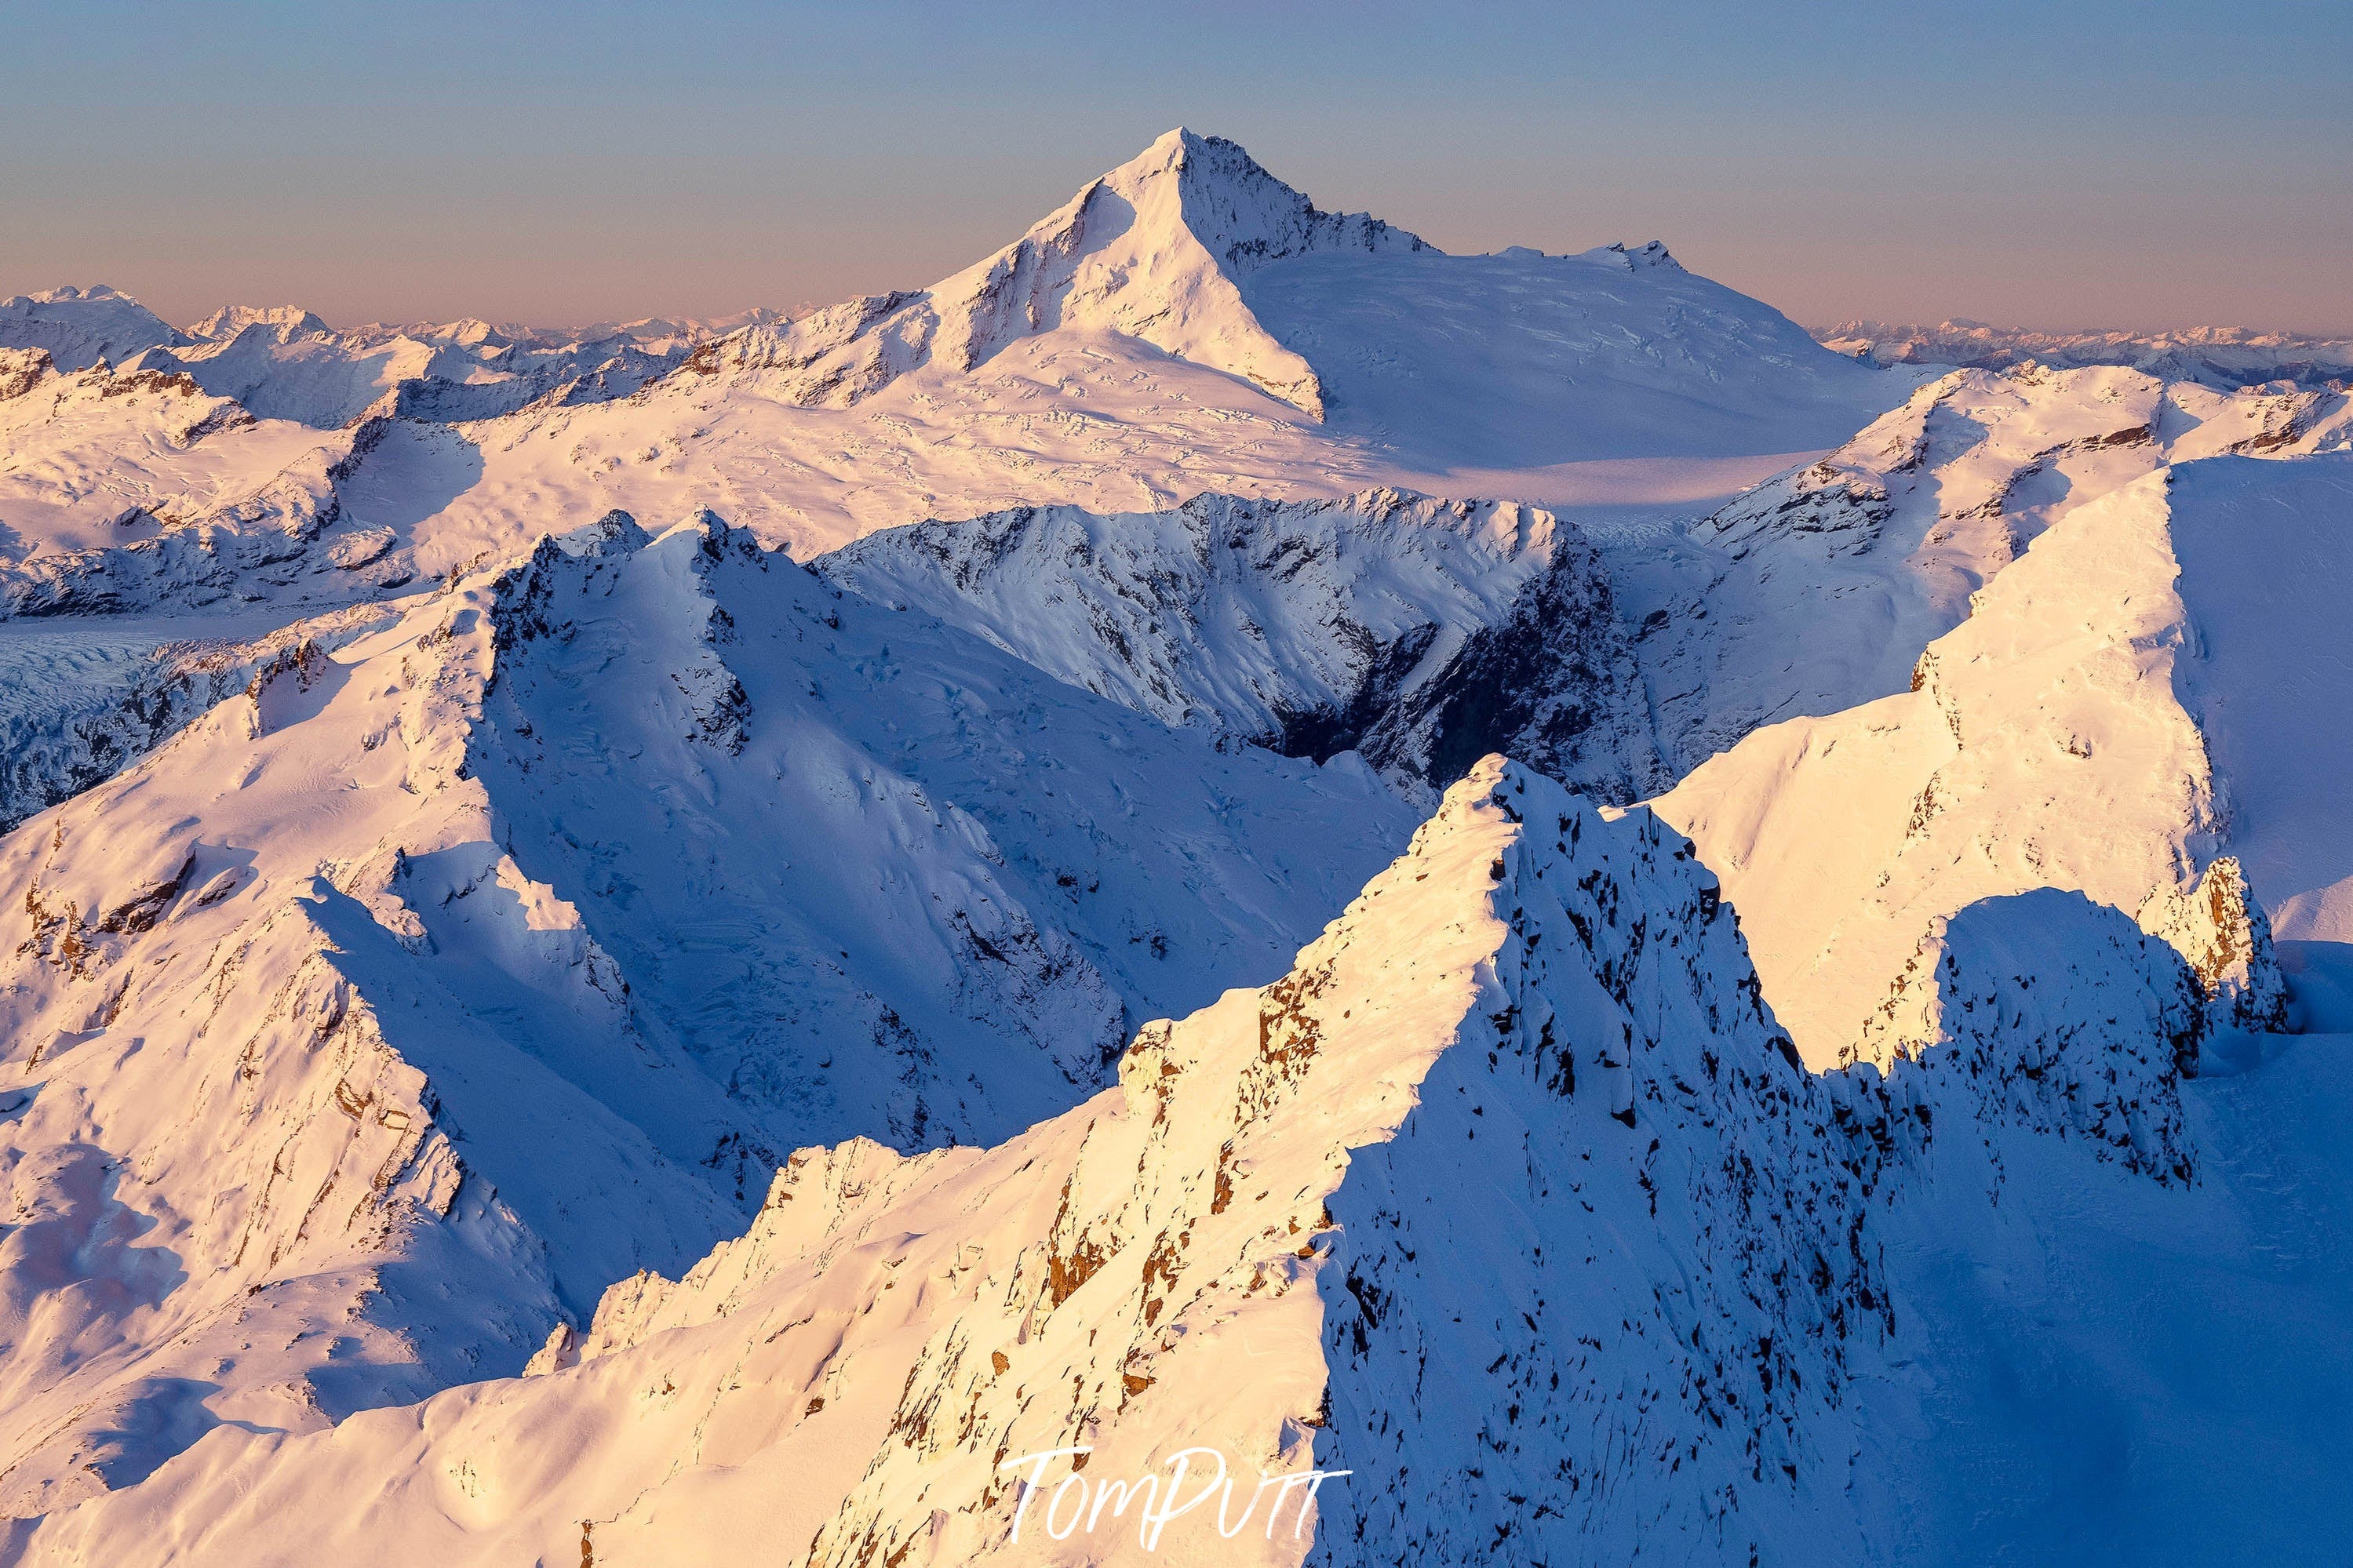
(1226, 890)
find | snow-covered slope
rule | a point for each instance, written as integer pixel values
(83, 697)
(2266, 565)
(134, 491)
(406, 1004)
(1154, 251)
(1507, 1209)
(594, 884)
(1525, 361)
(1819, 589)
(2056, 738)
(1234, 1248)
(1422, 634)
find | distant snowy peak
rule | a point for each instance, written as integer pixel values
(81, 327)
(1654, 254)
(1227, 203)
(1154, 250)
(1423, 634)
(284, 322)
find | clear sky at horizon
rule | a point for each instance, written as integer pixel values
(2091, 164)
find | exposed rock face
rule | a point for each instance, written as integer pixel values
(1422, 634)
(2046, 1012)
(2222, 932)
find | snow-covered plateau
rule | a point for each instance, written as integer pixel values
(1226, 890)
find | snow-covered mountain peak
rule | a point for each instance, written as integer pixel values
(81, 327)
(1154, 250)
(283, 322)
(1228, 204)
(1634, 257)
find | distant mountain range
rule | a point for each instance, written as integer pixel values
(2214, 356)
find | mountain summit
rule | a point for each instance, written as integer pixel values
(1156, 250)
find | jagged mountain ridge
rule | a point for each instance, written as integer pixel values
(1154, 250)
(568, 874)
(1818, 590)
(771, 818)
(1422, 634)
(2065, 735)
(1353, 1220)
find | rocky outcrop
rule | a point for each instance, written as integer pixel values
(2220, 930)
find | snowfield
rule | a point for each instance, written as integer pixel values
(1225, 891)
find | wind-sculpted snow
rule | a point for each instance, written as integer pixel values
(2266, 565)
(1521, 361)
(1422, 634)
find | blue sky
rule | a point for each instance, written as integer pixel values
(2055, 165)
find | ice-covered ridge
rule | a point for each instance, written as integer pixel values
(1818, 590)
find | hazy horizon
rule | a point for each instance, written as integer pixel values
(609, 162)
